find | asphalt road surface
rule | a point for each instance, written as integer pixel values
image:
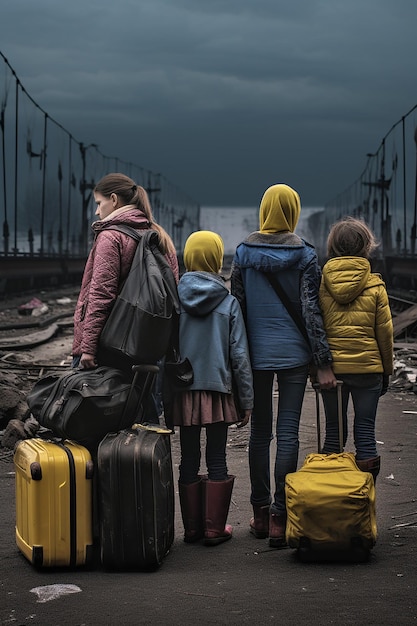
(242, 581)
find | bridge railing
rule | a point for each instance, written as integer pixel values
(47, 178)
(384, 195)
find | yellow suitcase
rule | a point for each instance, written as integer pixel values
(331, 509)
(54, 503)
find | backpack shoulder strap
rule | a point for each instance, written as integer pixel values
(127, 230)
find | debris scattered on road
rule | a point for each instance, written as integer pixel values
(52, 592)
(34, 307)
(63, 301)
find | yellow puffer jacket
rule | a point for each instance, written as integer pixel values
(357, 317)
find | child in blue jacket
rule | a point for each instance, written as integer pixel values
(213, 337)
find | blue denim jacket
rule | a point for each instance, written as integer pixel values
(274, 339)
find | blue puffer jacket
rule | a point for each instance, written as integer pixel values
(275, 341)
(213, 336)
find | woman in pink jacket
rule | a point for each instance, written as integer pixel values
(119, 201)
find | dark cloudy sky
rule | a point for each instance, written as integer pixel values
(223, 97)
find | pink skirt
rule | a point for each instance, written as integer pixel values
(199, 408)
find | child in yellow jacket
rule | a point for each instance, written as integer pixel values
(358, 323)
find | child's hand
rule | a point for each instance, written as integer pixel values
(326, 378)
(246, 417)
(385, 385)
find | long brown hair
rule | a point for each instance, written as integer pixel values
(130, 193)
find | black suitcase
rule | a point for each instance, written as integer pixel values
(136, 493)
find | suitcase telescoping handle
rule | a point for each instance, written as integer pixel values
(317, 389)
(150, 372)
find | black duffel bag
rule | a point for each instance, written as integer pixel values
(85, 405)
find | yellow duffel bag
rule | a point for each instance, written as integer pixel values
(330, 505)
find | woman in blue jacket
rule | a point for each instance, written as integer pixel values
(278, 347)
(213, 337)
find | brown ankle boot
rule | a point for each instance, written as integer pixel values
(259, 523)
(370, 465)
(277, 526)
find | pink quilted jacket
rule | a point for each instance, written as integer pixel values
(106, 268)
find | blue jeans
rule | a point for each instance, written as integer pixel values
(216, 439)
(291, 386)
(365, 390)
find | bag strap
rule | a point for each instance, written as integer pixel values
(175, 335)
(150, 372)
(127, 230)
(340, 413)
(279, 290)
(317, 389)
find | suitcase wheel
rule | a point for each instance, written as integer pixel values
(359, 553)
(304, 550)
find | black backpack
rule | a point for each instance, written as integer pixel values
(140, 324)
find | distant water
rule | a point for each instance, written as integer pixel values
(234, 224)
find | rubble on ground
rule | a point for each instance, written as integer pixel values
(34, 307)
(405, 368)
